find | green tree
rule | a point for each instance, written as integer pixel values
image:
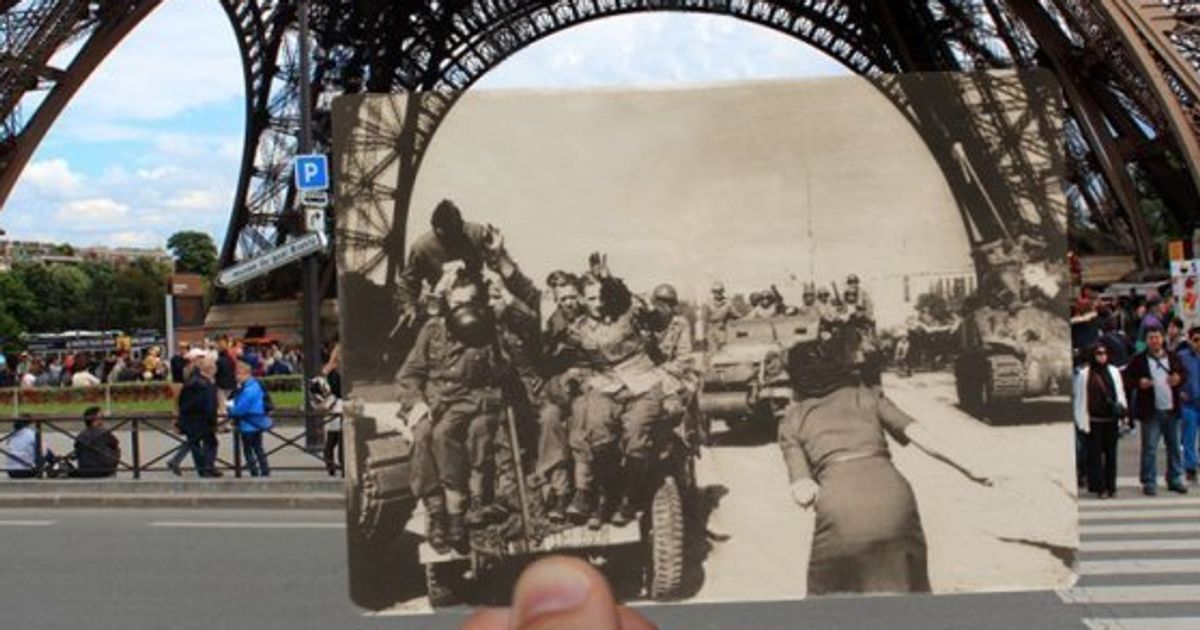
(17, 306)
(194, 252)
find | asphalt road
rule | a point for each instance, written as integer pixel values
(208, 569)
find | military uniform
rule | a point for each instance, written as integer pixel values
(717, 314)
(463, 388)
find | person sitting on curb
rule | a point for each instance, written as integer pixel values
(249, 408)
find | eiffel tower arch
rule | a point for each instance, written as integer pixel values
(1127, 70)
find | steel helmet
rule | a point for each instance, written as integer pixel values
(665, 293)
(852, 279)
(471, 324)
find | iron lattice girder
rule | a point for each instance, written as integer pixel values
(447, 45)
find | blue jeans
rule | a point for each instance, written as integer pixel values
(256, 458)
(1191, 419)
(1164, 424)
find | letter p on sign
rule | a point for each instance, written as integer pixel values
(312, 172)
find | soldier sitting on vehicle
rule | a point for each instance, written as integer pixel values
(624, 401)
(451, 393)
(717, 313)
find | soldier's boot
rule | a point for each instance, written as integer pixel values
(633, 486)
(559, 495)
(601, 508)
(456, 533)
(609, 463)
(581, 504)
(435, 528)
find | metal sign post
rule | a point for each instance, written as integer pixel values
(312, 174)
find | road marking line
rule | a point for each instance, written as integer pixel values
(1151, 594)
(1141, 528)
(1098, 505)
(1141, 545)
(1116, 515)
(246, 525)
(26, 523)
(1144, 623)
(1139, 566)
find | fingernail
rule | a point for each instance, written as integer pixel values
(550, 588)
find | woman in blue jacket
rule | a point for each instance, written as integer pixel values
(249, 410)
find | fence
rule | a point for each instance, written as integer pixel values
(289, 434)
(125, 398)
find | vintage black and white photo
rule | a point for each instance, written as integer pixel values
(729, 343)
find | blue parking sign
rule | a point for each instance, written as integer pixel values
(312, 172)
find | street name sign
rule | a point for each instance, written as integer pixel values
(291, 251)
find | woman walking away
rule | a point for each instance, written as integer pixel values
(868, 536)
(249, 410)
(1099, 408)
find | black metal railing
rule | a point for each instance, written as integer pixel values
(289, 432)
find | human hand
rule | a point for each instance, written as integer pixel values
(1174, 380)
(560, 593)
(598, 265)
(804, 492)
(494, 241)
(1145, 383)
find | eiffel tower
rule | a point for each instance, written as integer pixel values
(1128, 71)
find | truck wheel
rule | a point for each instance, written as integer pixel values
(443, 584)
(666, 541)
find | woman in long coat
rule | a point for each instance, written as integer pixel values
(868, 536)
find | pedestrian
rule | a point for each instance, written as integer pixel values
(1175, 338)
(1116, 342)
(868, 535)
(179, 361)
(83, 376)
(226, 378)
(249, 409)
(1157, 376)
(1100, 405)
(1189, 356)
(22, 457)
(327, 397)
(97, 451)
(198, 408)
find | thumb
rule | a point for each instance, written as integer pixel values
(559, 593)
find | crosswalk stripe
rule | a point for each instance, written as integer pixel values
(1144, 623)
(25, 523)
(1139, 566)
(1116, 515)
(1098, 546)
(1104, 505)
(1158, 593)
(1141, 528)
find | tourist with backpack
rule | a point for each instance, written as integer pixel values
(250, 407)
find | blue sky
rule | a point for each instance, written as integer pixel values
(152, 143)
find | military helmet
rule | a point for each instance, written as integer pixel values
(666, 294)
(471, 324)
(852, 279)
(718, 287)
(823, 292)
(809, 290)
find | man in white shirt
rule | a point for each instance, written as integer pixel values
(21, 448)
(1157, 375)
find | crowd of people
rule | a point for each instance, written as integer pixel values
(29, 370)
(1138, 371)
(218, 385)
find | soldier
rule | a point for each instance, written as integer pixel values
(624, 400)
(717, 313)
(561, 402)
(809, 309)
(675, 339)
(452, 243)
(858, 299)
(824, 306)
(451, 393)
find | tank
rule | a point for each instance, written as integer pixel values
(1011, 355)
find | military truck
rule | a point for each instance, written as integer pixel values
(745, 380)
(382, 510)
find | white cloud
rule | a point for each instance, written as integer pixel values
(194, 200)
(97, 210)
(183, 56)
(53, 177)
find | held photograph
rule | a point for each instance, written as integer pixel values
(728, 343)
